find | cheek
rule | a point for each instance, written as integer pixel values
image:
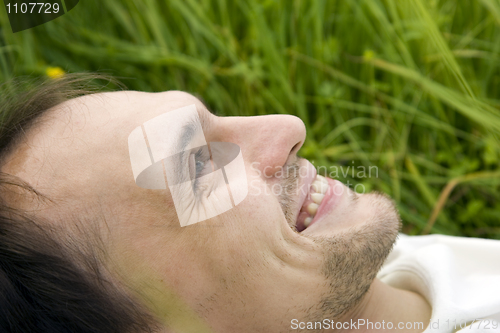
(362, 211)
(257, 223)
(203, 199)
(358, 214)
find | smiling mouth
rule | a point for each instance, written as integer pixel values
(313, 200)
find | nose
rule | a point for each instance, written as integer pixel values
(271, 140)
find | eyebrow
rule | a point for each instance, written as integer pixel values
(187, 134)
(188, 130)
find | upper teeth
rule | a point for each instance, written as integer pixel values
(320, 184)
(317, 197)
(318, 189)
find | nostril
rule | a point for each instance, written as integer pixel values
(296, 148)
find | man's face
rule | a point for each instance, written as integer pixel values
(247, 269)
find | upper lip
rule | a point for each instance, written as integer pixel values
(305, 184)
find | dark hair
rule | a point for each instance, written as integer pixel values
(44, 286)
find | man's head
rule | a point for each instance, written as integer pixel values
(247, 269)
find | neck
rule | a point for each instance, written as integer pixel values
(384, 305)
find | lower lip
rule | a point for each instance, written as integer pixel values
(330, 201)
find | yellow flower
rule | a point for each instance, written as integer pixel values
(54, 72)
(368, 55)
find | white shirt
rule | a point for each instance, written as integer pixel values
(459, 277)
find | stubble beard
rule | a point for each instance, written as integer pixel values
(353, 257)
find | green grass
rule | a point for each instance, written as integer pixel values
(411, 86)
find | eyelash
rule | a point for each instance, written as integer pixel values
(199, 158)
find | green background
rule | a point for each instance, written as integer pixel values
(409, 86)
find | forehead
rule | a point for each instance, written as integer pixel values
(119, 110)
(82, 143)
